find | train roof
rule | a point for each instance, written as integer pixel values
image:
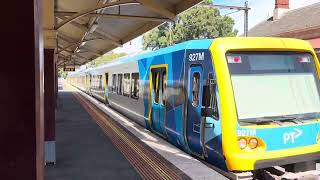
(192, 44)
(227, 43)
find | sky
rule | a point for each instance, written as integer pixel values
(260, 10)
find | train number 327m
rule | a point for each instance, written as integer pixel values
(196, 56)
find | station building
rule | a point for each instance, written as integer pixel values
(301, 23)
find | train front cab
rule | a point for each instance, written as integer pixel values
(268, 101)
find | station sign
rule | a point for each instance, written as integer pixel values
(69, 69)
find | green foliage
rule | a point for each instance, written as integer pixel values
(200, 22)
(104, 59)
(62, 74)
(206, 2)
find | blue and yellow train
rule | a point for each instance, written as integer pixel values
(241, 104)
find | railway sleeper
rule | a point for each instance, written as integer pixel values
(243, 175)
(303, 171)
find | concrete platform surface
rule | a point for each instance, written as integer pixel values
(83, 150)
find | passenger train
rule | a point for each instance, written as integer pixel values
(241, 104)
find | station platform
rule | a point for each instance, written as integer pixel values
(95, 142)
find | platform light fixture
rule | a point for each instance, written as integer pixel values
(83, 43)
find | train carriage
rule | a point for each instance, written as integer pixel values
(241, 104)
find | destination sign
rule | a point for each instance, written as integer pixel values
(69, 69)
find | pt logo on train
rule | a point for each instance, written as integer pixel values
(291, 136)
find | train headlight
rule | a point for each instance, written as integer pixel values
(253, 143)
(242, 142)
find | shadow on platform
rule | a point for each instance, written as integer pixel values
(83, 150)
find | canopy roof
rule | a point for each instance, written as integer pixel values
(88, 29)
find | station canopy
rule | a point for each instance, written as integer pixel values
(87, 29)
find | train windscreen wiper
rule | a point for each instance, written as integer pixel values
(287, 118)
(262, 120)
(303, 118)
(271, 119)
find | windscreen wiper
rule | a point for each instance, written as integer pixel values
(286, 118)
(273, 119)
(309, 118)
(261, 120)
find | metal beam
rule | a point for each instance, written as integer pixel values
(68, 61)
(89, 10)
(108, 37)
(245, 8)
(76, 43)
(70, 56)
(115, 16)
(91, 23)
(157, 8)
(105, 36)
(87, 50)
(81, 57)
(227, 7)
(71, 40)
(70, 52)
(64, 60)
(91, 51)
(77, 55)
(66, 38)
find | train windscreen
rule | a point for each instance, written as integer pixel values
(274, 86)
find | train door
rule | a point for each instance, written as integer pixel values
(87, 83)
(158, 109)
(194, 105)
(106, 83)
(90, 84)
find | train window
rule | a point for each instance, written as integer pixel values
(209, 99)
(100, 82)
(126, 84)
(164, 87)
(114, 83)
(178, 93)
(94, 82)
(119, 85)
(195, 88)
(135, 85)
(155, 82)
(107, 80)
(91, 82)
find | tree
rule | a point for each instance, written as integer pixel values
(62, 74)
(104, 59)
(200, 22)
